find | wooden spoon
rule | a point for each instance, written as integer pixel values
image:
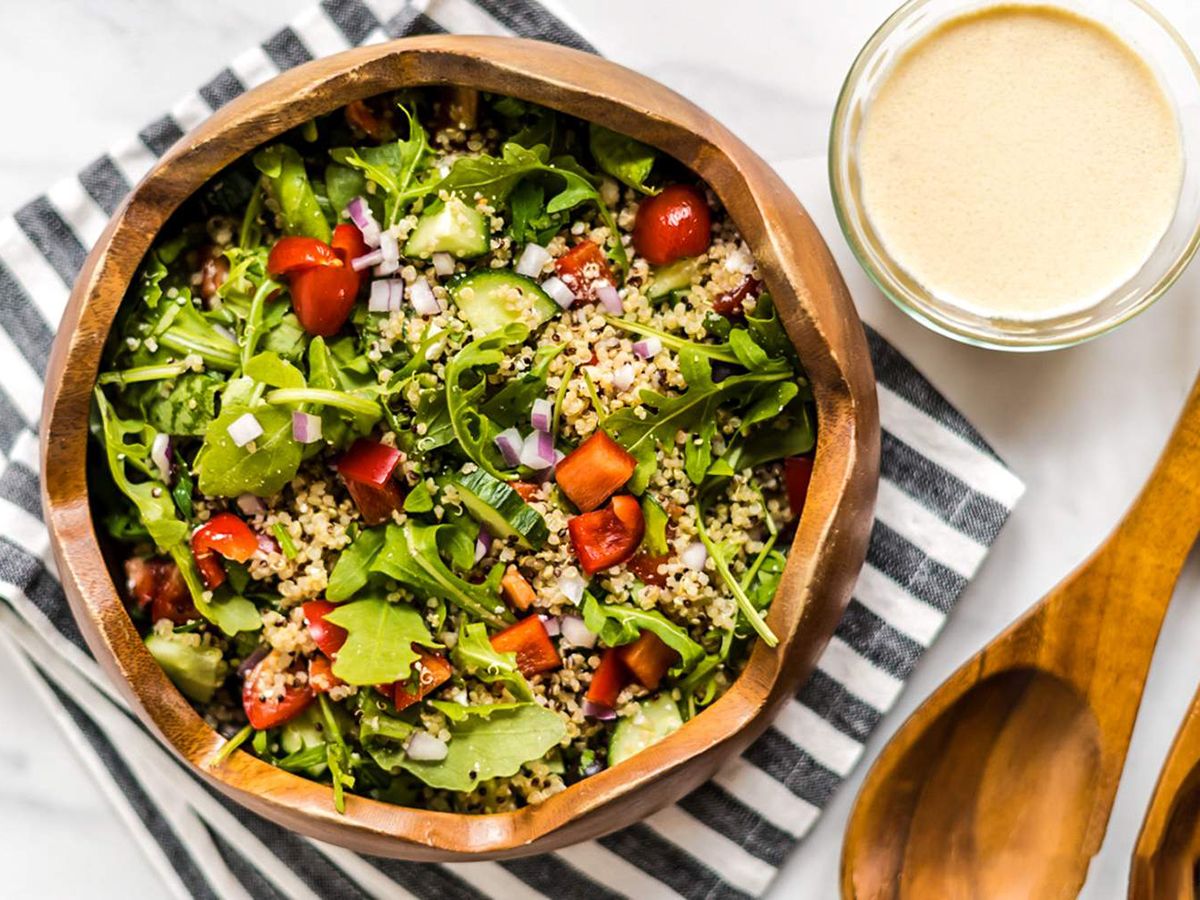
(1168, 848)
(1000, 785)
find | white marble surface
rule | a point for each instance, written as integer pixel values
(1082, 426)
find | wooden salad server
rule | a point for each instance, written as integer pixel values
(1000, 785)
(1168, 848)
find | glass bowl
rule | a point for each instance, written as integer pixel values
(1147, 32)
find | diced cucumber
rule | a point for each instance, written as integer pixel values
(451, 227)
(489, 300)
(196, 670)
(500, 509)
(654, 720)
(672, 277)
(303, 733)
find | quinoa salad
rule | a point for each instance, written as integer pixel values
(448, 450)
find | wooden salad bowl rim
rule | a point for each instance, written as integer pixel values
(813, 302)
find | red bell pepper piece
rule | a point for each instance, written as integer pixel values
(369, 462)
(432, 673)
(607, 537)
(645, 567)
(295, 254)
(648, 659)
(327, 636)
(227, 535)
(375, 504)
(269, 710)
(530, 641)
(594, 471)
(581, 266)
(608, 680)
(524, 489)
(797, 475)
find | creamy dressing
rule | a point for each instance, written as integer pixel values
(1021, 162)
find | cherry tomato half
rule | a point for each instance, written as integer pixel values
(348, 244)
(581, 267)
(227, 535)
(267, 710)
(159, 584)
(295, 254)
(327, 636)
(673, 224)
(323, 297)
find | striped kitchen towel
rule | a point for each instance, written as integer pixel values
(943, 497)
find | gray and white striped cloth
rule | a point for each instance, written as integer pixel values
(943, 497)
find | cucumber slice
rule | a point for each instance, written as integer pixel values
(196, 670)
(655, 719)
(489, 300)
(673, 277)
(500, 509)
(453, 227)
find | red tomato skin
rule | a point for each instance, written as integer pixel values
(349, 245)
(608, 680)
(159, 585)
(327, 636)
(729, 304)
(525, 490)
(434, 672)
(369, 461)
(320, 675)
(674, 224)
(645, 567)
(797, 475)
(529, 639)
(294, 254)
(323, 298)
(223, 534)
(607, 537)
(594, 471)
(375, 504)
(572, 267)
(264, 714)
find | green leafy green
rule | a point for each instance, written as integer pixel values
(196, 669)
(619, 624)
(625, 159)
(379, 646)
(474, 654)
(353, 568)
(419, 500)
(490, 743)
(465, 387)
(262, 467)
(284, 171)
(394, 166)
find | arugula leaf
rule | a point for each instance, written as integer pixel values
(458, 712)
(618, 624)
(379, 646)
(767, 330)
(489, 744)
(719, 555)
(474, 654)
(381, 734)
(625, 159)
(353, 568)
(187, 408)
(392, 166)
(343, 184)
(470, 426)
(697, 451)
(510, 405)
(226, 470)
(288, 181)
(664, 415)
(268, 368)
(419, 500)
(767, 403)
(337, 755)
(411, 555)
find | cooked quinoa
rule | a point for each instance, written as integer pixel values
(451, 462)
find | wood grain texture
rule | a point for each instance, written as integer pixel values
(1001, 783)
(808, 289)
(1165, 859)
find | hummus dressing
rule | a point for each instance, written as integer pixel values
(1021, 162)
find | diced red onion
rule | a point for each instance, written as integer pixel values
(224, 332)
(595, 767)
(381, 296)
(160, 454)
(623, 377)
(558, 291)
(253, 659)
(607, 294)
(648, 348)
(443, 264)
(538, 451)
(576, 633)
(267, 544)
(598, 711)
(374, 258)
(510, 442)
(572, 587)
(306, 428)
(390, 246)
(533, 259)
(542, 414)
(423, 301)
(694, 557)
(250, 505)
(424, 747)
(551, 624)
(483, 544)
(360, 214)
(244, 429)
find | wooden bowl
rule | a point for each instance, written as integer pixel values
(812, 300)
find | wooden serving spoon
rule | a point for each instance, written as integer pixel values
(1000, 785)
(1168, 848)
